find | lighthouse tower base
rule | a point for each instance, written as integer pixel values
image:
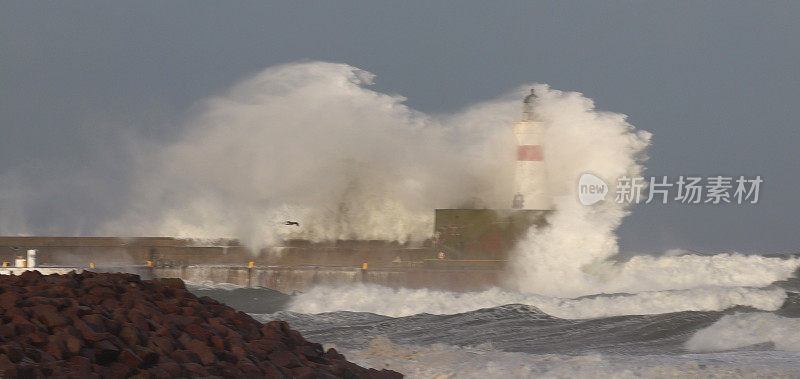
(480, 237)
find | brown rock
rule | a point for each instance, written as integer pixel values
(312, 352)
(255, 350)
(40, 307)
(88, 334)
(383, 374)
(105, 351)
(88, 353)
(30, 277)
(129, 335)
(203, 352)
(218, 324)
(270, 371)
(218, 342)
(110, 304)
(129, 359)
(51, 319)
(116, 370)
(96, 322)
(188, 311)
(249, 369)
(149, 357)
(198, 331)
(84, 325)
(6, 331)
(13, 351)
(103, 293)
(339, 368)
(22, 326)
(140, 375)
(172, 283)
(73, 344)
(113, 326)
(79, 366)
(160, 345)
(239, 352)
(272, 334)
(333, 354)
(195, 369)
(172, 368)
(8, 299)
(7, 368)
(37, 339)
(167, 307)
(159, 373)
(303, 373)
(284, 359)
(185, 356)
(55, 350)
(225, 356)
(269, 346)
(228, 370)
(184, 339)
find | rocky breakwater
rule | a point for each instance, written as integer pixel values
(94, 325)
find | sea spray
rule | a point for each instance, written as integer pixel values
(573, 255)
(309, 142)
(579, 139)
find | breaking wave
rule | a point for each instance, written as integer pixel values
(406, 302)
(748, 329)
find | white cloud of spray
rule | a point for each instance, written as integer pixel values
(579, 139)
(572, 256)
(309, 142)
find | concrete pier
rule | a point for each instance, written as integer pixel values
(296, 266)
(294, 278)
(298, 278)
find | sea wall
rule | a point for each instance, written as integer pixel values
(298, 265)
(80, 251)
(287, 279)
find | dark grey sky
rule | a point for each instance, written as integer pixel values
(717, 83)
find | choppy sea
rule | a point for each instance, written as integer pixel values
(720, 332)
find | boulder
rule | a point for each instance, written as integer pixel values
(93, 325)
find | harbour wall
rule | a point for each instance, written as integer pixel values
(302, 278)
(296, 266)
(165, 251)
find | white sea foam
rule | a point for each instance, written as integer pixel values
(445, 361)
(572, 255)
(405, 302)
(645, 273)
(746, 329)
(211, 285)
(555, 260)
(309, 142)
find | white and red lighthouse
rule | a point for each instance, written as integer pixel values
(530, 180)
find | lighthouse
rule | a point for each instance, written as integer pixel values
(530, 179)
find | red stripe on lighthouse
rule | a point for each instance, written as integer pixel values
(529, 153)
